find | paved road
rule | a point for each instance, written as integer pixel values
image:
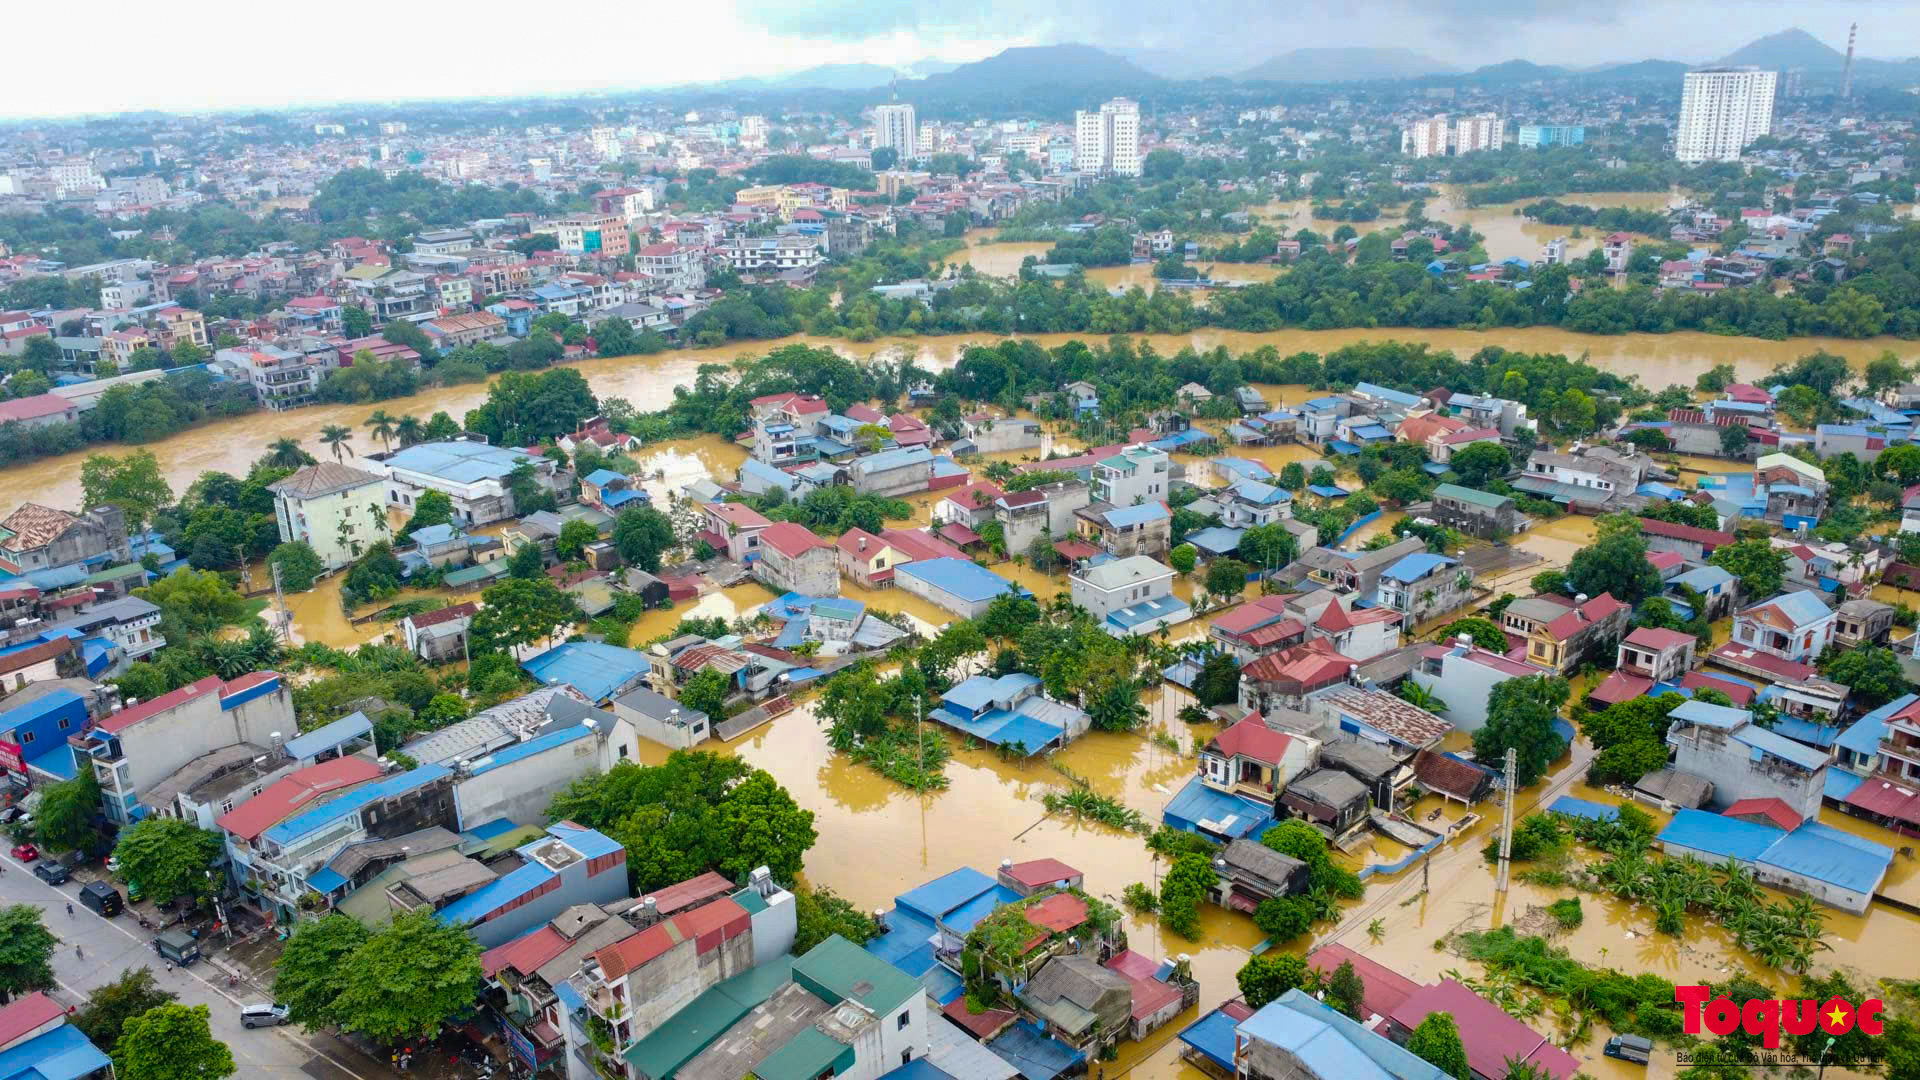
(113, 945)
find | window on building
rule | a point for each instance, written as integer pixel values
(26, 738)
(900, 1024)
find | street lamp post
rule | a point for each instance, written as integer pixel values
(1822, 1075)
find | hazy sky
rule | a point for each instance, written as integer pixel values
(113, 55)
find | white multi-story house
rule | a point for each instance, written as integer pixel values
(142, 744)
(1137, 474)
(774, 254)
(672, 267)
(1481, 131)
(337, 510)
(1745, 760)
(1130, 596)
(1794, 626)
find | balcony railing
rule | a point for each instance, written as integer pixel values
(1903, 751)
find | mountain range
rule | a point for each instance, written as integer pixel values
(1028, 68)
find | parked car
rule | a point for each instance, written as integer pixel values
(262, 1015)
(102, 898)
(25, 852)
(1635, 1048)
(51, 872)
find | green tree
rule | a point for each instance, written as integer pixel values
(380, 425)
(527, 563)
(355, 322)
(516, 612)
(1114, 705)
(110, 1005)
(1182, 558)
(66, 817)
(169, 857)
(1520, 716)
(440, 427)
(406, 979)
(1733, 440)
(1187, 883)
(574, 537)
(193, 602)
(1484, 632)
(299, 565)
(311, 972)
(1616, 563)
(171, 1042)
(1480, 462)
(707, 692)
(1872, 672)
(643, 534)
(1219, 680)
(1226, 577)
(1717, 379)
(1760, 567)
(1283, 918)
(1437, 1042)
(26, 951)
(1347, 991)
(132, 482)
(1266, 977)
(671, 818)
(819, 914)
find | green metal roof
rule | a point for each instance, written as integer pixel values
(836, 968)
(751, 901)
(113, 572)
(806, 1055)
(706, 1018)
(1472, 495)
(466, 575)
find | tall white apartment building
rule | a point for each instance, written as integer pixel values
(894, 126)
(1425, 138)
(1722, 109)
(1481, 131)
(1108, 141)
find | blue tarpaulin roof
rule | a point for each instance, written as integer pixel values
(61, 1054)
(594, 668)
(1583, 808)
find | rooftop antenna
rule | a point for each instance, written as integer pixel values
(1846, 74)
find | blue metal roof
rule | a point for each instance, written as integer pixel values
(1328, 491)
(1127, 516)
(1703, 579)
(1035, 1054)
(1397, 397)
(1864, 736)
(1714, 716)
(1231, 815)
(487, 830)
(504, 889)
(1343, 447)
(963, 579)
(458, 462)
(978, 692)
(594, 668)
(61, 1054)
(1840, 783)
(1330, 1044)
(1583, 808)
(1160, 607)
(1820, 736)
(352, 802)
(520, 751)
(1416, 566)
(1835, 856)
(945, 894)
(1762, 741)
(839, 607)
(325, 880)
(918, 1069)
(1801, 607)
(1372, 431)
(893, 459)
(1721, 837)
(1212, 1037)
(1216, 539)
(1246, 467)
(603, 477)
(1258, 493)
(328, 736)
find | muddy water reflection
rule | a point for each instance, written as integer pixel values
(648, 382)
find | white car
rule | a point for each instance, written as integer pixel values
(262, 1015)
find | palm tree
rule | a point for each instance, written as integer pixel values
(228, 657)
(1421, 697)
(286, 454)
(409, 430)
(382, 425)
(336, 436)
(1377, 931)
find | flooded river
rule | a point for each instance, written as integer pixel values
(648, 382)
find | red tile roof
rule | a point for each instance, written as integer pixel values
(708, 927)
(1707, 537)
(1333, 618)
(1059, 913)
(26, 658)
(1619, 686)
(791, 539)
(523, 954)
(1741, 693)
(128, 717)
(27, 1015)
(1036, 873)
(1252, 614)
(1252, 738)
(690, 893)
(739, 515)
(1386, 989)
(1491, 1037)
(1659, 639)
(981, 1025)
(445, 614)
(291, 792)
(1575, 622)
(1772, 811)
(1312, 664)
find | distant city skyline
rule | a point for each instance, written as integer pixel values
(226, 56)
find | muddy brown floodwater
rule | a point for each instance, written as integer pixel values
(232, 445)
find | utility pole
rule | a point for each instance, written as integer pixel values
(1846, 78)
(280, 601)
(1506, 822)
